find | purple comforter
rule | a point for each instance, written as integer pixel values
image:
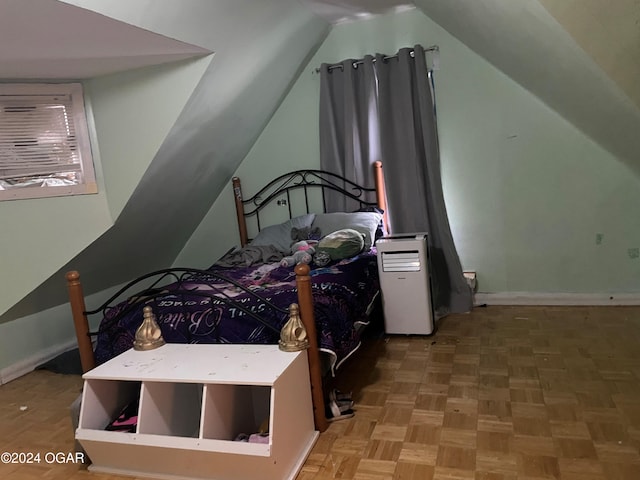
(342, 292)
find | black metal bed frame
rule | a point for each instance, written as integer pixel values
(177, 277)
(276, 190)
(305, 180)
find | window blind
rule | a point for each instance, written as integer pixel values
(39, 144)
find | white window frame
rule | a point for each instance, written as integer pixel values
(76, 117)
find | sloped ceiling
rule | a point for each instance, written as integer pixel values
(338, 11)
(215, 129)
(609, 32)
(577, 56)
(526, 42)
(580, 57)
(48, 39)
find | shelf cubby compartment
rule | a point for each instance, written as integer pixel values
(169, 408)
(229, 410)
(103, 400)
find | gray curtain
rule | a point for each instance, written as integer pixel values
(408, 142)
(348, 106)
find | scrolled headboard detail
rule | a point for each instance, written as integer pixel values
(306, 181)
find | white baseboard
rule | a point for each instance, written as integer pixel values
(559, 299)
(30, 363)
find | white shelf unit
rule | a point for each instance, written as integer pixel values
(194, 400)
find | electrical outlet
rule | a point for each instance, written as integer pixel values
(470, 277)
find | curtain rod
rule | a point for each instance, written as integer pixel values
(432, 48)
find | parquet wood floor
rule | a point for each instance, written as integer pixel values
(502, 393)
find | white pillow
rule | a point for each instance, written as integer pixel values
(364, 222)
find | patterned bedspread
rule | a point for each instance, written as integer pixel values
(342, 292)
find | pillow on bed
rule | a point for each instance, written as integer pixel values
(364, 222)
(381, 231)
(280, 235)
(340, 244)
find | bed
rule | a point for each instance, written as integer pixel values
(247, 295)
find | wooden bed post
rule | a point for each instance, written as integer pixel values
(381, 194)
(242, 223)
(305, 299)
(81, 323)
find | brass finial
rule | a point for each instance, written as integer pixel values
(148, 335)
(293, 336)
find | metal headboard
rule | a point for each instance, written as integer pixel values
(306, 181)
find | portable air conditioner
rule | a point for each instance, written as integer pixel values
(404, 281)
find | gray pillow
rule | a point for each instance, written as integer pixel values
(280, 235)
(364, 222)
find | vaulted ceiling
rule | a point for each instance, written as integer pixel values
(563, 52)
(608, 32)
(578, 56)
(48, 39)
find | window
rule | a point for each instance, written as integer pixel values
(44, 142)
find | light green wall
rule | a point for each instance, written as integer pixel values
(527, 193)
(216, 234)
(31, 334)
(39, 235)
(35, 339)
(166, 156)
(130, 114)
(134, 112)
(44, 234)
